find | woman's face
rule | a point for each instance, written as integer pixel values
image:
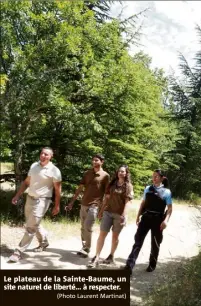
(122, 172)
(156, 178)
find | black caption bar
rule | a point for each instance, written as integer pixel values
(108, 287)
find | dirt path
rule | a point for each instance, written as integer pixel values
(181, 240)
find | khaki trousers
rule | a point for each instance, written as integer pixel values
(88, 216)
(34, 210)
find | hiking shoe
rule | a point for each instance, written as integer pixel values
(15, 257)
(150, 268)
(126, 267)
(109, 260)
(41, 247)
(93, 263)
(83, 253)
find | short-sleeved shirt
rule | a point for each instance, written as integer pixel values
(42, 179)
(95, 184)
(164, 193)
(118, 196)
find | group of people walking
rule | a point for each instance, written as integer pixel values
(103, 199)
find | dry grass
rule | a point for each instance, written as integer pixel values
(182, 288)
(64, 227)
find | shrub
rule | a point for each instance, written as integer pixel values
(183, 289)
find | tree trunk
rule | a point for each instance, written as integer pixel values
(18, 165)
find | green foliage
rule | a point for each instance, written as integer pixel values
(12, 214)
(183, 288)
(186, 96)
(70, 83)
(101, 8)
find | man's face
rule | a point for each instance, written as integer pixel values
(96, 162)
(45, 156)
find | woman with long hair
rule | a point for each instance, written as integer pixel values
(154, 214)
(113, 213)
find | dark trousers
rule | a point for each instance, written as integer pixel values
(148, 222)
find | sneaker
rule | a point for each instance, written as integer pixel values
(109, 260)
(83, 253)
(126, 267)
(150, 268)
(15, 257)
(93, 263)
(41, 247)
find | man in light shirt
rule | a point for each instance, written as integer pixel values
(43, 177)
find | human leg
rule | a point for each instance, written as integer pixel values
(41, 233)
(83, 215)
(106, 224)
(156, 239)
(88, 225)
(99, 246)
(142, 230)
(116, 230)
(88, 217)
(32, 223)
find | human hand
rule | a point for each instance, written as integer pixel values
(55, 210)
(163, 225)
(100, 215)
(15, 200)
(137, 220)
(69, 206)
(122, 220)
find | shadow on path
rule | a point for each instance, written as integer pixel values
(143, 283)
(51, 258)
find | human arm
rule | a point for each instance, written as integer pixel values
(142, 205)
(23, 187)
(106, 196)
(168, 200)
(76, 194)
(167, 218)
(57, 189)
(103, 206)
(106, 184)
(123, 215)
(128, 198)
(140, 211)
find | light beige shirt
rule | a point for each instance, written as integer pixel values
(42, 179)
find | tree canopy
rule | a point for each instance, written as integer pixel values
(68, 81)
